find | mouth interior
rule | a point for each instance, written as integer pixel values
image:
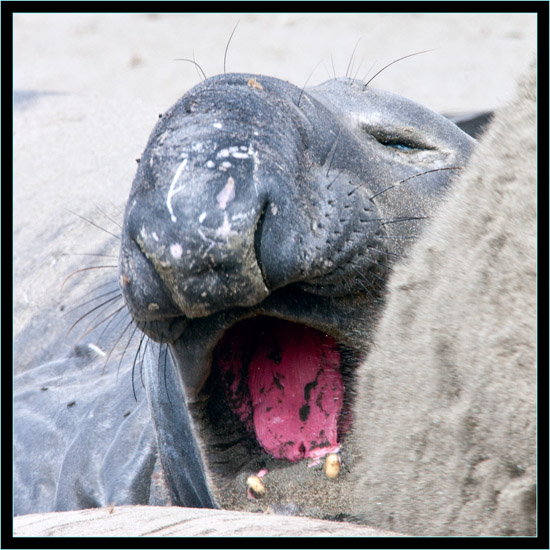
(284, 382)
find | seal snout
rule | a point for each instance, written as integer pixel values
(206, 261)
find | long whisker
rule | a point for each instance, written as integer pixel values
(87, 269)
(94, 224)
(194, 63)
(335, 144)
(412, 177)
(93, 299)
(227, 45)
(114, 222)
(115, 345)
(111, 317)
(351, 58)
(362, 285)
(91, 311)
(407, 219)
(96, 255)
(136, 357)
(389, 64)
(307, 80)
(385, 252)
(107, 317)
(127, 346)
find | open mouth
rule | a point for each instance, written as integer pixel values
(284, 383)
(276, 405)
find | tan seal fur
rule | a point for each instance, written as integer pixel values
(447, 399)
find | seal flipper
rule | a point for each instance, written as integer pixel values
(178, 448)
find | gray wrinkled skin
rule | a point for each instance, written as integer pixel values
(252, 198)
(447, 398)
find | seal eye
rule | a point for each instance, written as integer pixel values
(395, 141)
(397, 145)
(405, 141)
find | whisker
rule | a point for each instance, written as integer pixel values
(385, 252)
(347, 284)
(389, 64)
(194, 63)
(370, 69)
(337, 176)
(362, 285)
(164, 348)
(92, 300)
(127, 346)
(87, 269)
(407, 219)
(412, 177)
(94, 224)
(114, 222)
(357, 71)
(227, 45)
(91, 311)
(136, 358)
(351, 58)
(334, 150)
(113, 316)
(362, 275)
(109, 316)
(115, 344)
(307, 80)
(89, 254)
(327, 71)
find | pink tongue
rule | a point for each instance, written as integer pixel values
(295, 389)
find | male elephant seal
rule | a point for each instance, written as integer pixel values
(258, 232)
(260, 229)
(446, 403)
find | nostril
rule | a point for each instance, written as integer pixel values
(258, 233)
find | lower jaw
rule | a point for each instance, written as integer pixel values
(294, 478)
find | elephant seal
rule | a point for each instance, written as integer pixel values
(446, 402)
(261, 226)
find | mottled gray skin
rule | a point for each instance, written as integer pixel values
(252, 197)
(256, 198)
(446, 402)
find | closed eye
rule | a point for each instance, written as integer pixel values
(396, 140)
(395, 144)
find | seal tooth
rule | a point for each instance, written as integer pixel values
(256, 485)
(331, 466)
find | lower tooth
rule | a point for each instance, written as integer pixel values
(256, 485)
(332, 466)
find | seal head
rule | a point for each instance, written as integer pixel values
(259, 232)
